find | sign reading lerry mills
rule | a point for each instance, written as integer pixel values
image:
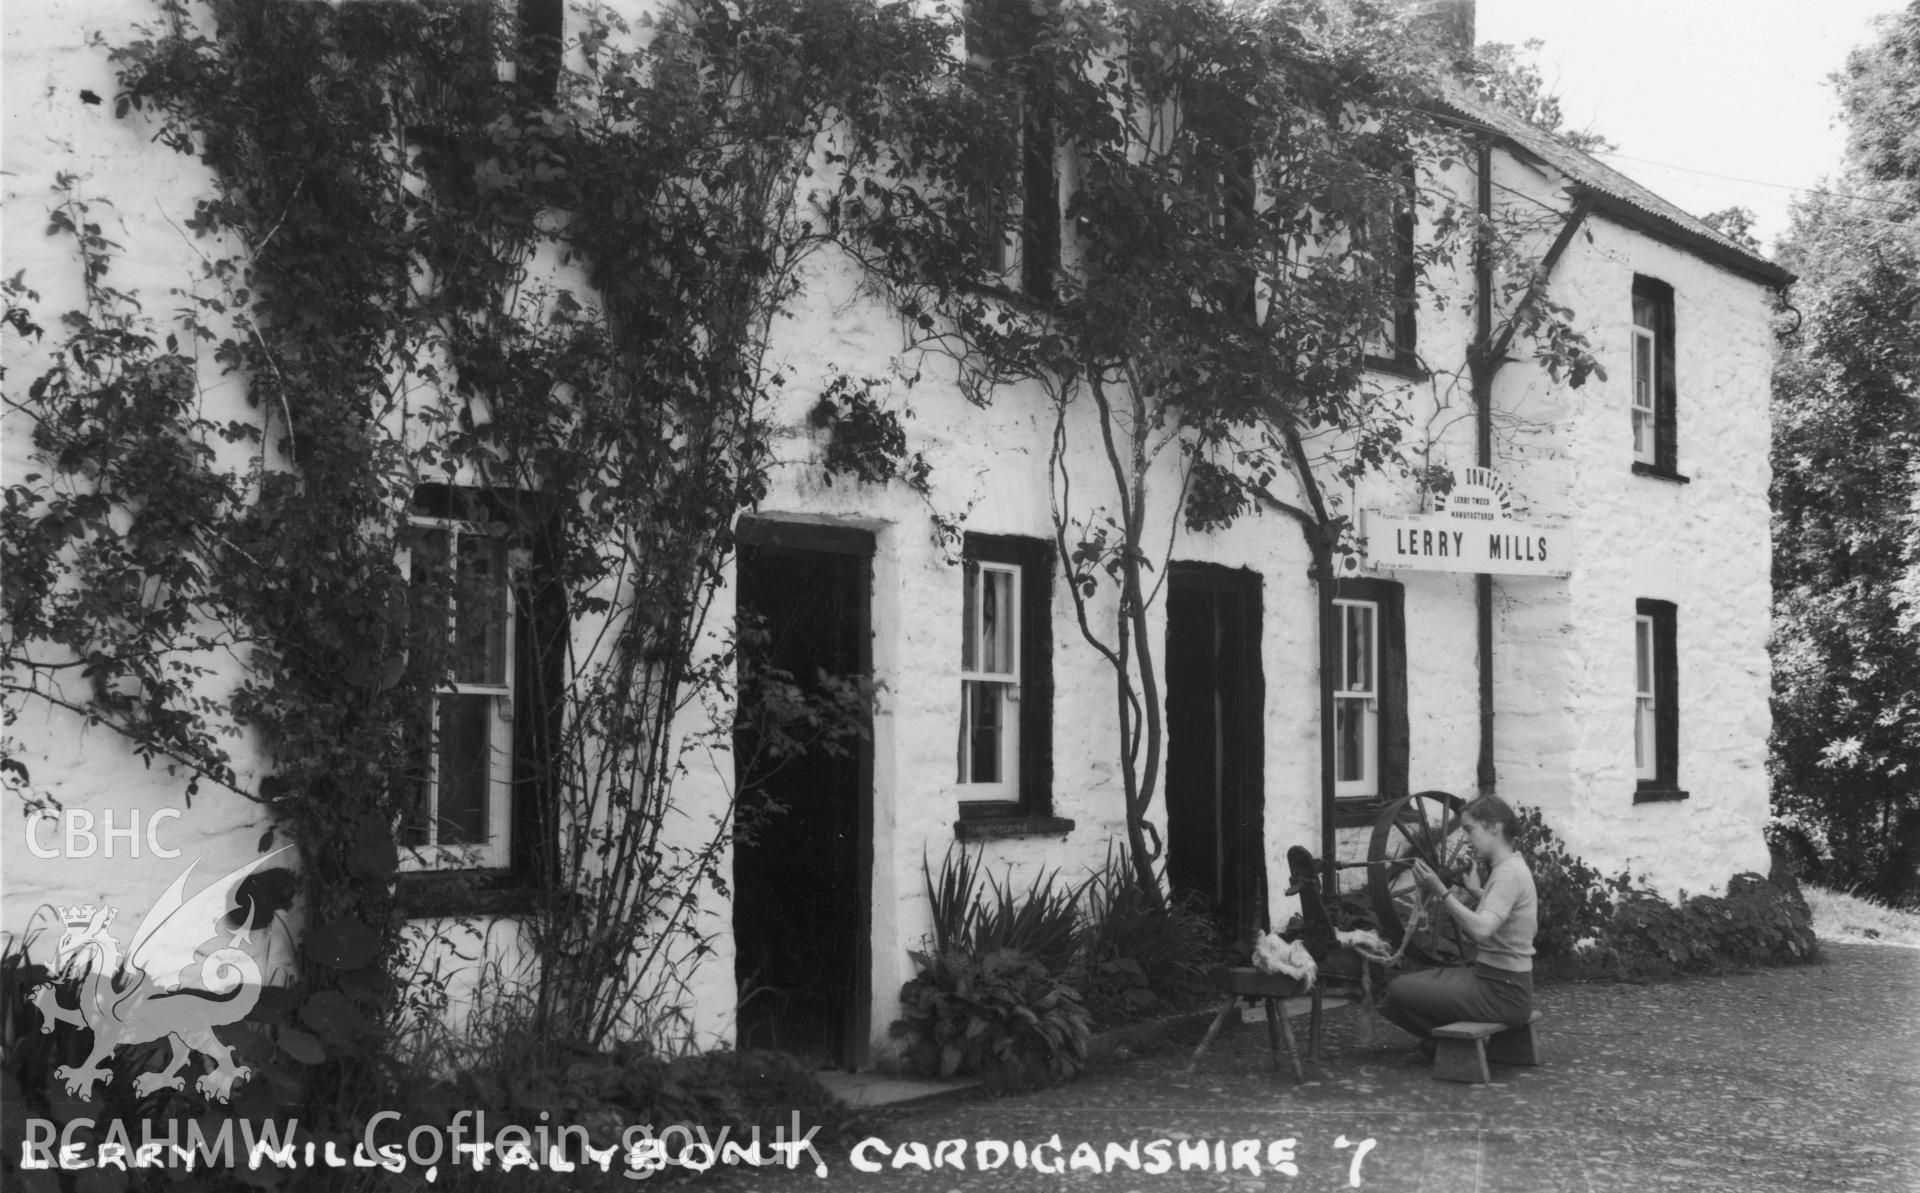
(1472, 529)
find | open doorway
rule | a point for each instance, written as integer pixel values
(802, 862)
(1215, 745)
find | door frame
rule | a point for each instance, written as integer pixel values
(857, 1048)
(1249, 731)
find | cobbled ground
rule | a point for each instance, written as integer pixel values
(1787, 1079)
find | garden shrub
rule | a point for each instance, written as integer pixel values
(1755, 923)
(1042, 920)
(1139, 954)
(954, 899)
(1575, 900)
(1014, 975)
(989, 997)
(1001, 1016)
(1594, 925)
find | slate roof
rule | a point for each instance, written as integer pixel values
(1611, 192)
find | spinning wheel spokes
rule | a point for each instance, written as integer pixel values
(1425, 826)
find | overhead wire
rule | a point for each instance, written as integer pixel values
(1785, 186)
(1469, 122)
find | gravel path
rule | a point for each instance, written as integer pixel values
(1791, 1079)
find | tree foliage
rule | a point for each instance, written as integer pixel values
(384, 208)
(1734, 223)
(384, 211)
(1508, 76)
(1232, 180)
(1880, 96)
(1846, 410)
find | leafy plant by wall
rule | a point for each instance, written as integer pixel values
(1001, 1015)
(1754, 923)
(1609, 926)
(865, 440)
(976, 913)
(1575, 899)
(1014, 974)
(1139, 953)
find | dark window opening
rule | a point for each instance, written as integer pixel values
(1039, 208)
(1239, 296)
(1000, 36)
(1654, 395)
(542, 29)
(1219, 131)
(1656, 713)
(1393, 344)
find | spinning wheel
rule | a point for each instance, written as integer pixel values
(1424, 825)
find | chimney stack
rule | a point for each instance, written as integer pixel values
(1447, 25)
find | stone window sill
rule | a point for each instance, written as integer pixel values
(1660, 472)
(427, 893)
(1000, 828)
(1398, 366)
(1657, 793)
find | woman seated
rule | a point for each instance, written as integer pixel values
(1499, 916)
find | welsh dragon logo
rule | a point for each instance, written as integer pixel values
(151, 997)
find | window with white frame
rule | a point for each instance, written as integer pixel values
(1646, 368)
(990, 654)
(1656, 702)
(1356, 699)
(1646, 727)
(461, 816)
(1655, 395)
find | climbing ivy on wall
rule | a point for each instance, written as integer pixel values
(394, 243)
(1235, 180)
(427, 273)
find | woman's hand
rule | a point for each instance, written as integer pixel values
(1424, 878)
(1471, 880)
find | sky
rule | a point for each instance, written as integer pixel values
(1713, 103)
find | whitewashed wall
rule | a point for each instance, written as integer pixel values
(1563, 646)
(141, 195)
(1703, 545)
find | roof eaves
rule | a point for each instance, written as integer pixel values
(1625, 211)
(1613, 194)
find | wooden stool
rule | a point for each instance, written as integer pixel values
(1270, 988)
(1465, 1048)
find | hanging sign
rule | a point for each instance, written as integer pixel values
(1472, 529)
(1478, 494)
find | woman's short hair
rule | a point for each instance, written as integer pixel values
(1494, 813)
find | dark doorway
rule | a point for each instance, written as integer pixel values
(803, 856)
(1215, 696)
